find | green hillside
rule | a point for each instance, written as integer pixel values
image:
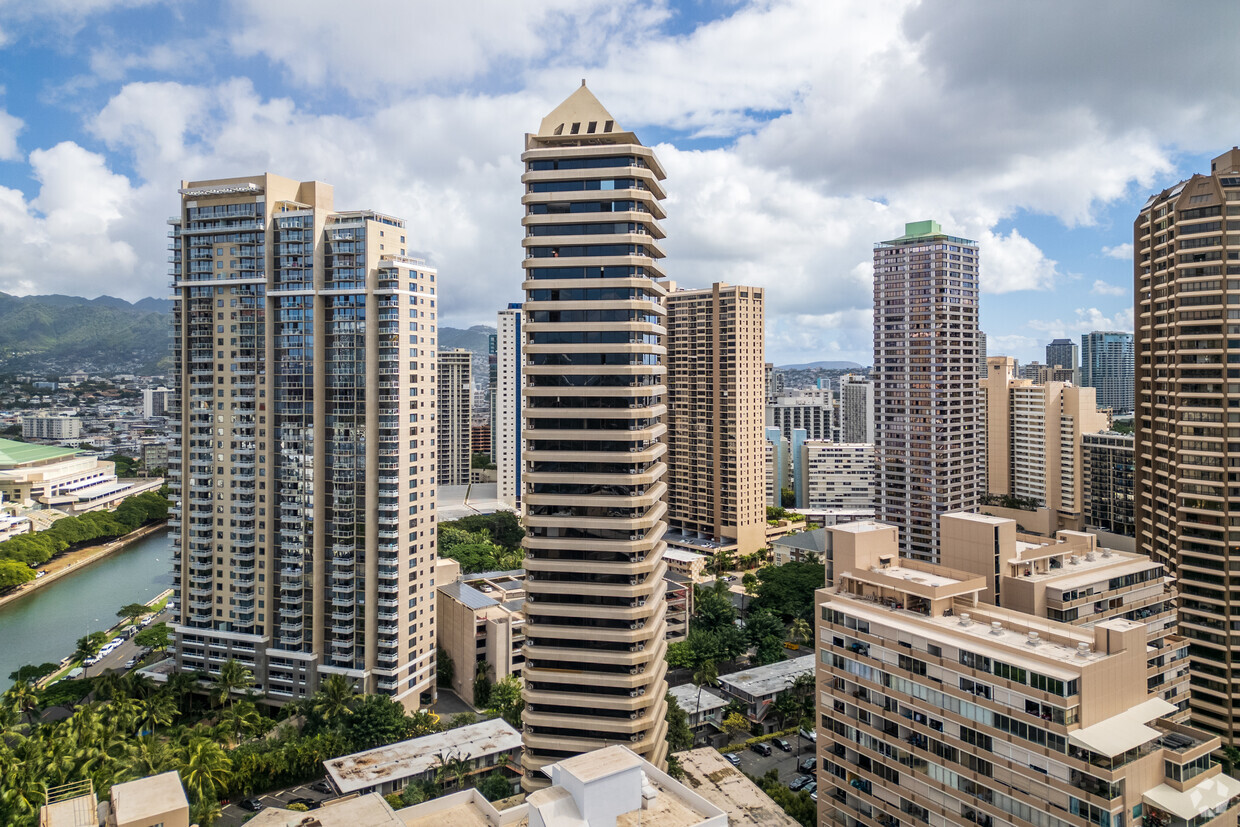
(50, 334)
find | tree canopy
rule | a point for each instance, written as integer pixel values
(788, 590)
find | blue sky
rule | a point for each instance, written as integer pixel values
(796, 133)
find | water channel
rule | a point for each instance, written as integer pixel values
(45, 624)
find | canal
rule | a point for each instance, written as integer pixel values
(45, 625)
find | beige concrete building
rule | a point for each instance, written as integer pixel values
(595, 472)
(1034, 437)
(1186, 514)
(927, 402)
(481, 622)
(455, 396)
(715, 414)
(51, 426)
(940, 709)
(1072, 579)
(509, 402)
(838, 477)
(154, 801)
(304, 422)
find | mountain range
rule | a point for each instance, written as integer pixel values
(822, 366)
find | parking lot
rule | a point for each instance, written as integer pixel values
(785, 762)
(234, 815)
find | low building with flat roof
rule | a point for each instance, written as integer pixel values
(48, 476)
(608, 787)
(709, 775)
(363, 811)
(685, 563)
(486, 746)
(758, 687)
(154, 801)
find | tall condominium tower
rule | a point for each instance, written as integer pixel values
(304, 467)
(856, 409)
(508, 403)
(1065, 354)
(927, 399)
(455, 407)
(1186, 513)
(594, 452)
(1107, 364)
(715, 407)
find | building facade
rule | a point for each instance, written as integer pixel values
(1108, 463)
(856, 409)
(838, 476)
(1107, 363)
(1185, 513)
(455, 395)
(509, 403)
(715, 414)
(813, 411)
(941, 709)
(1034, 438)
(51, 426)
(595, 473)
(777, 455)
(303, 468)
(1064, 353)
(927, 400)
(155, 402)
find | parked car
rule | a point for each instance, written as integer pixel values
(812, 789)
(251, 804)
(807, 764)
(323, 786)
(92, 660)
(310, 803)
(799, 782)
(732, 758)
(131, 663)
(809, 735)
(761, 748)
(782, 744)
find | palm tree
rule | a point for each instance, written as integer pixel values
(706, 674)
(801, 630)
(241, 719)
(149, 756)
(23, 699)
(156, 711)
(335, 698)
(205, 768)
(181, 686)
(87, 647)
(234, 677)
(138, 686)
(205, 812)
(749, 583)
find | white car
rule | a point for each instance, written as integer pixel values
(92, 660)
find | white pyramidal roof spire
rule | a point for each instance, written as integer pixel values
(579, 114)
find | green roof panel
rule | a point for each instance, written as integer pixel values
(21, 453)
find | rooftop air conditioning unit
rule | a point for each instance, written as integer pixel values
(996, 628)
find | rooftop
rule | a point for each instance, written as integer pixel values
(687, 697)
(363, 770)
(363, 811)
(13, 454)
(145, 798)
(709, 775)
(769, 679)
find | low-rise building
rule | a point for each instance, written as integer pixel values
(679, 597)
(480, 623)
(757, 688)
(942, 709)
(45, 476)
(154, 801)
(609, 787)
(703, 708)
(833, 476)
(720, 783)
(486, 746)
(686, 563)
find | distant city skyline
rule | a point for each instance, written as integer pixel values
(779, 121)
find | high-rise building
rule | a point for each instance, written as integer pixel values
(927, 401)
(1107, 364)
(455, 395)
(774, 383)
(715, 410)
(508, 401)
(1186, 514)
(1108, 461)
(1064, 353)
(303, 467)
(1033, 437)
(595, 403)
(155, 402)
(813, 411)
(942, 709)
(856, 409)
(492, 381)
(51, 426)
(981, 353)
(838, 477)
(776, 452)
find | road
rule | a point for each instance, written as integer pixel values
(233, 815)
(116, 659)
